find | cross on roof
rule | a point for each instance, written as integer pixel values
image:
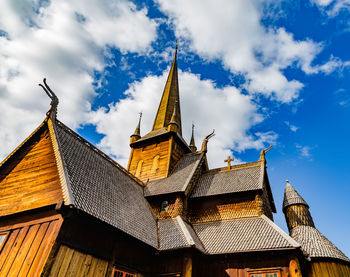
(228, 161)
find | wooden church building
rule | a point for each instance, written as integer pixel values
(68, 209)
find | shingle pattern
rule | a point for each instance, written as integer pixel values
(235, 180)
(292, 197)
(316, 244)
(172, 236)
(153, 133)
(103, 190)
(178, 180)
(242, 235)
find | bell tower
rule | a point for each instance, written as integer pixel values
(154, 155)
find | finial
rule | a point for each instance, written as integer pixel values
(205, 142)
(54, 100)
(136, 135)
(176, 45)
(264, 151)
(192, 145)
(228, 161)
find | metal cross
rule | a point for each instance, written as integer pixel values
(228, 161)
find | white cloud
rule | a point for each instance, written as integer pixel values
(292, 127)
(332, 7)
(232, 31)
(66, 42)
(226, 110)
(305, 151)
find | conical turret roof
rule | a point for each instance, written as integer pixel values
(292, 197)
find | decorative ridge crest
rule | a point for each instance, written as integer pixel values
(205, 142)
(54, 100)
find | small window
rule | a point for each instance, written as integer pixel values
(165, 206)
(155, 164)
(3, 238)
(139, 169)
(121, 273)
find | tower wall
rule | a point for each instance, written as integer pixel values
(297, 215)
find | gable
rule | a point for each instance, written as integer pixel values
(29, 177)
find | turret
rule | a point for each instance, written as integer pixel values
(136, 135)
(295, 209)
(193, 146)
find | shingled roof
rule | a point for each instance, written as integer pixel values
(292, 197)
(316, 244)
(179, 180)
(175, 233)
(243, 235)
(103, 189)
(240, 178)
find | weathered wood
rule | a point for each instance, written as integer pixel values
(13, 251)
(33, 250)
(30, 179)
(29, 243)
(71, 262)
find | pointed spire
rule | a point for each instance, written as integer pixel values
(136, 135)
(169, 100)
(292, 197)
(173, 125)
(193, 146)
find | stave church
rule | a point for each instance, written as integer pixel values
(68, 209)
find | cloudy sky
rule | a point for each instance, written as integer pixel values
(258, 72)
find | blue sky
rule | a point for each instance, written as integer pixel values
(258, 72)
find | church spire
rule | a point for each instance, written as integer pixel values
(169, 100)
(193, 146)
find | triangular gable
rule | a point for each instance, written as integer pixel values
(29, 176)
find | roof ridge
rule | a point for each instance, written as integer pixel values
(281, 232)
(184, 230)
(233, 167)
(105, 156)
(61, 165)
(188, 180)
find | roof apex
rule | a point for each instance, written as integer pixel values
(292, 197)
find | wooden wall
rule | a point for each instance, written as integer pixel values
(176, 153)
(30, 179)
(175, 206)
(224, 208)
(240, 265)
(298, 215)
(71, 262)
(147, 155)
(328, 269)
(28, 244)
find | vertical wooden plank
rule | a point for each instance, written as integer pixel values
(58, 261)
(66, 262)
(13, 253)
(75, 265)
(93, 266)
(101, 268)
(45, 248)
(85, 267)
(8, 246)
(37, 243)
(24, 249)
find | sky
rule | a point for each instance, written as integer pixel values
(258, 72)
